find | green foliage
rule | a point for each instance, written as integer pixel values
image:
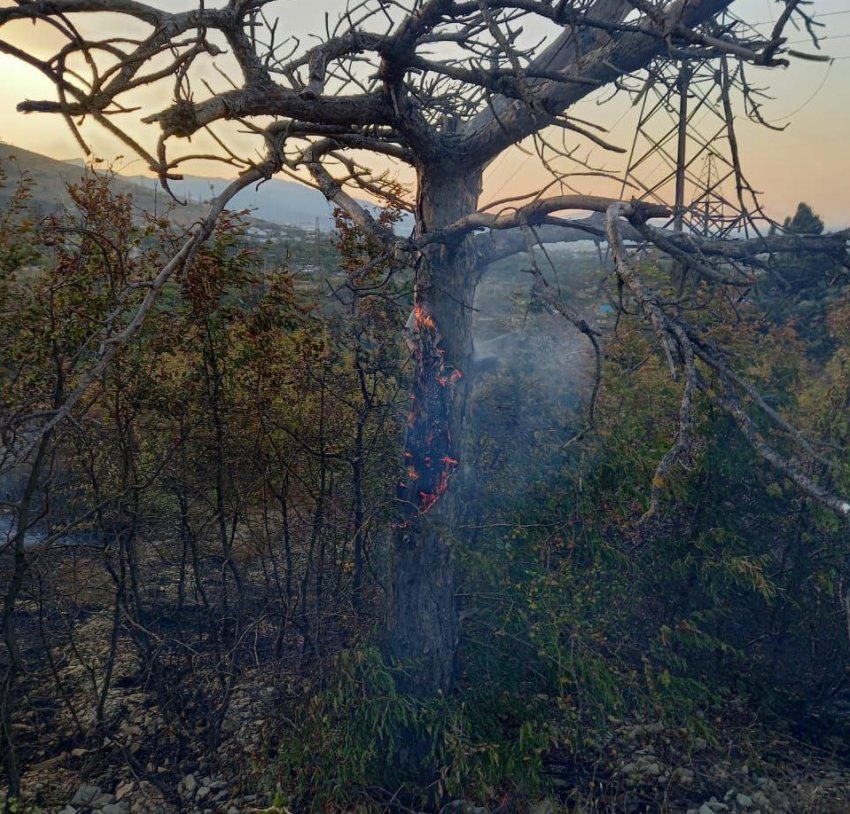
(358, 737)
(569, 595)
(804, 221)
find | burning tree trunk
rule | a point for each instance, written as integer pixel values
(422, 625)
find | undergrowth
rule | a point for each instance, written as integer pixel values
(360, 739)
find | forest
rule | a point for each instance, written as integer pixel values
(523, 511)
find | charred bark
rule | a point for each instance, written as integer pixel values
(421, 632)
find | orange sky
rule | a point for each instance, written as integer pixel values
(808, 161)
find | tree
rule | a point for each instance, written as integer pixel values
(444, 87)
(804, 221)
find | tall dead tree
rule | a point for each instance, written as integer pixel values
(444, 87)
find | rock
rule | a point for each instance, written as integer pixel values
(744, 800)
(68, 810)
(704, 809)
(117, 808)
(103, 800)
(685, 776)
(653, 769)
(85, 795)
(203, 792)
(124, 789)
(189, 783)
(543, 807)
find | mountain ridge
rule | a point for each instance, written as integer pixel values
(276, 201)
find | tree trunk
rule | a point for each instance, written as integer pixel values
(421, 632)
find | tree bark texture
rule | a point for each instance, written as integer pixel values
(421, 632)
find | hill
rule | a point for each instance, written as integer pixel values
(276, 201)
(51, 177)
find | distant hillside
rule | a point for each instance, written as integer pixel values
(51, 177)
(276, 201)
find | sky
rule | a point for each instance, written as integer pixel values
(808, 161)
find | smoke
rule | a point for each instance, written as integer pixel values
(533, 375)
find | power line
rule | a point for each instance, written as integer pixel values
(816, 18)
(827, 38)
(808, 101)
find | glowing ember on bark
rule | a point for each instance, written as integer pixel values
(430, 457)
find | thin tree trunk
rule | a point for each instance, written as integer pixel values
(10, 635)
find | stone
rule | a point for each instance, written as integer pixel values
(686, 776)
(117, 808)
(103, 800)
(85, 795)
(189, 783)
(124, 789)
(203, 792)
(744, 800)
(542, 807)
(704, 809)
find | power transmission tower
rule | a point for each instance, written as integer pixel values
(708, 213)
(685, 148)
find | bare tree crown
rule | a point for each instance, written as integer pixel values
(419, 82)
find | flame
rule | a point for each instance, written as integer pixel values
(429, 456)
(450, 379)
(423, 317)
(429, 499)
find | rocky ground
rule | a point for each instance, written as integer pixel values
(645, 768)
(743, 765)
(746, 769)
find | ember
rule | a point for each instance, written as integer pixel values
(430, 457)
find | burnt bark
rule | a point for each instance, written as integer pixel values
(421, 634)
